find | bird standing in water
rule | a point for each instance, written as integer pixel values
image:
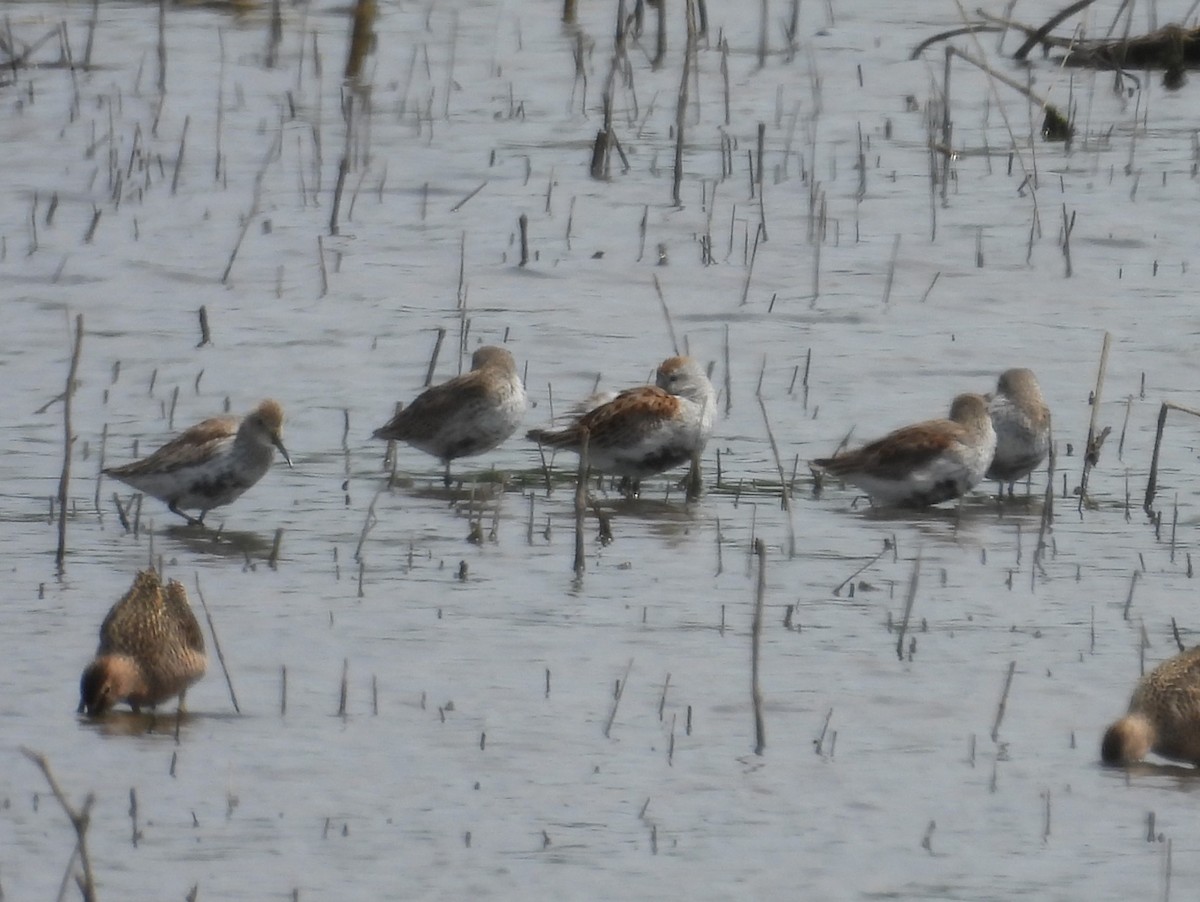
(151, 649)
(210, 464)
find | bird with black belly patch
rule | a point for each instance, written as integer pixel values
(210, 464)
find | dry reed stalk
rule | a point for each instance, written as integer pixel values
(64, 481)
(784, 494)
(581, 505)
(361, 37)
(369, 522)
(760, 589)
(80, 819)
(909, 599)
(1094, 441)
(275, 34)
(891, 273)
(662, 302)
(849, 579)
(620, 691)
(205, 334)
(255, 202)
(689, 56)
(212, 629)
(1152, 482)
(1000, 709)
(344, 689)
(273, 558)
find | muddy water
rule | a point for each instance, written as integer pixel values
(480, 755)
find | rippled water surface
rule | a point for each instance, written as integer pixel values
(481, 753)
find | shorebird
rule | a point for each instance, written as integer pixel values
(211, 464)
(467, 415)
(644, 430)
(151, 649)
(1022, 422)
(925, 463)
(1164, 715)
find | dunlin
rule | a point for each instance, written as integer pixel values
(1022, 422)
(151, 649)
(925, 463)
(1164, 715)
(212, 463)
(644, 430)
(467, 415)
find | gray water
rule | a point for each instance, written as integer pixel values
(472, 760)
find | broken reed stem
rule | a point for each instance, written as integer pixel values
(344, 690)
(1012, 666)
(361, 38)
(909, 599)
(187, 120)
(891, 273)
(273, 558)
(666, 315)
(369, 522)
(64, 481)
(255, 202)
(612, 714)
(1091, 447)
(681, 108)
(80, 819)
(784, 494)
(581, 505)
(212, 629)
(433, 359)
(205, 334)
(760, 590)
(523, 226)
(1152, 482)
(849, 579)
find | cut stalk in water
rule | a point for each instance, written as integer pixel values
(1152, 482)
(1012, 666)
(760, 730)
(212, 629)
(908, 604)
(64, 480)
(662, 301)
(1094, 441)
(581, 505)
(684, 84)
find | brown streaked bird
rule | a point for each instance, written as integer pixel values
(151, 649)
(644, 430)
(925, 463)
(1022, 423)
(210, 464)
(1163, 716)
(465, 416)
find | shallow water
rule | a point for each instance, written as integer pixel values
(473, 759)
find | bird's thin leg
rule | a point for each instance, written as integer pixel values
(446, 477)
(192, 521)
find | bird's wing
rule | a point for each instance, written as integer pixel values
(190, 447)
(181, 613)
(899, 452)
(627, 418)
(434, 405)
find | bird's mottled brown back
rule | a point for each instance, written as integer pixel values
(1169, 696)
(630, 416)
(192, 446)
(148, 618)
